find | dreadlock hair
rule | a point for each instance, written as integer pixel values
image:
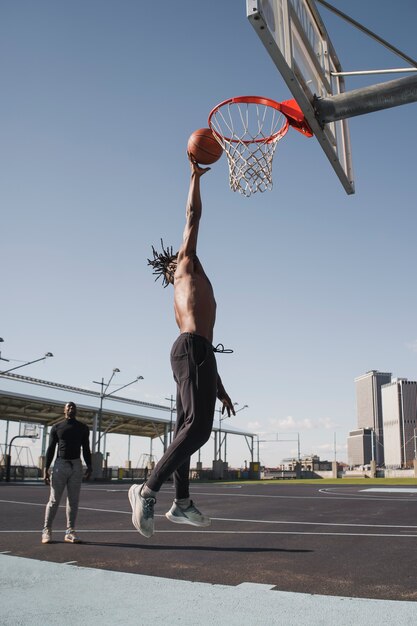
(161, 264)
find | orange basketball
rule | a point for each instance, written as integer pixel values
(204, 147)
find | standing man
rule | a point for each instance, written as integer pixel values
(70, 436)
(194, 368)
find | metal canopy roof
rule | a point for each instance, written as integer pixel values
(120, 419)
(47, 412)
(18, 407)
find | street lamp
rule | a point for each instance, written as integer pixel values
(103, 395)
(46, 356)
(221, 418)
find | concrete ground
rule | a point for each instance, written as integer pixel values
(274, 554)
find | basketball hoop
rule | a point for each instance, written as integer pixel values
(249, 128)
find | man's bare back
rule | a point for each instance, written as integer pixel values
(194, 303)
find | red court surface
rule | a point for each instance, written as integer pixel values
(355, 541)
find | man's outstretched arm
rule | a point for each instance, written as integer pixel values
(193, 210)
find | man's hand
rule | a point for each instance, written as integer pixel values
(195, 167)
(227, 405)
(225, 400)
(88, 473)
(46, 477)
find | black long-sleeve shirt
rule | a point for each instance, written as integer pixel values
(70, 436)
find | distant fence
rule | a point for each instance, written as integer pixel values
(22, 466)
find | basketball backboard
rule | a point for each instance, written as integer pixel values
(295, 37)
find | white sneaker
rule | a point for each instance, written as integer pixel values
(190, 515)
(142, 511)
(46, 535)
(71, 537)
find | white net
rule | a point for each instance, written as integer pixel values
(248, 129)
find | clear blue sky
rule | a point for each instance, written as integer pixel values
(314, 287)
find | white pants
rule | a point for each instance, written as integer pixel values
(67, 474)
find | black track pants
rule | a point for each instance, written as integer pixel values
(195, 372)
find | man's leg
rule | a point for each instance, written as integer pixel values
(73, 497)
(182, 473)
(58, 484)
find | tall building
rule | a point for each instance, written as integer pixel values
(369, 407)
(359, 446)
(399, 409)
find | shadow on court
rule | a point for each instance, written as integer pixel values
(186, 548)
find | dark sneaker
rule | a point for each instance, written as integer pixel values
(191, 515)
(142, 511)
(71, 537)
(46, 535)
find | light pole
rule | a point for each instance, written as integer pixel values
(103, 395)
(221, 418)
(46, 356)
(172, 409)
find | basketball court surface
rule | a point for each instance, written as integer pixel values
(268, 546)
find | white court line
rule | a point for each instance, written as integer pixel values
(332, 496)
(391, 489)
(245, 520)
(326, 496)
(18, 502)
(257, 521)
(247, 495)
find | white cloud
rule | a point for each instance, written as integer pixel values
(412, 345)
(327, 423)
(289, 423)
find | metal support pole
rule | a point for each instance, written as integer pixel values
(220, 435)
(415, 444)
(366, 100)
(167, 432)
(170, 418)
(100, 411)
(44, 439)
(7, 435)
(94, 443)
(372, 446)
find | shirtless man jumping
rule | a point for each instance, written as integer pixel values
(195, 371)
